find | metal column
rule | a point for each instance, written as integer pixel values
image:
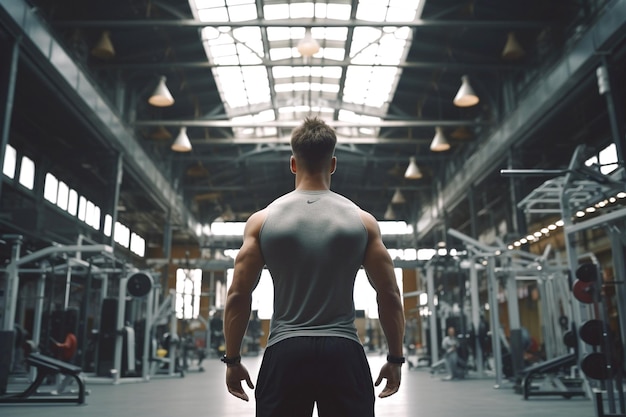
(432, 318)
(475, 300)
(494, 315)
(9, 54)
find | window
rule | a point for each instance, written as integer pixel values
(10, 161)
(137, 244)
(82, 208)
(27, 173)
(188, 289)
(72, 205)
(108, 225)
(63, 195)
(122, 234)
(50, 189)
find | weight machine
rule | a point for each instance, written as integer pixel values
(10, 281)
(581, 190)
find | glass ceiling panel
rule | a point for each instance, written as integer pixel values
(238, 56)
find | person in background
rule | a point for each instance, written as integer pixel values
(450, 345)
(313, 242)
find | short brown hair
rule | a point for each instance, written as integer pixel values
(313, 143)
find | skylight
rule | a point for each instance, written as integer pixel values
(259, 71)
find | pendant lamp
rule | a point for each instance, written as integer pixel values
(412, 172)
(390, 214)
(461, 133)
(465, 97)
(439, 143)
(182, 142)
(103, 49)
(398, 198)
(512, 49)
(308, 46)
(161, 97)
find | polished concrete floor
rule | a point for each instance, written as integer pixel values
(204, 394)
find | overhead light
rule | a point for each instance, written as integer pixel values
(512, 49)
(398, 198)
(161, 97)
(412, 171)
(161, 133)
(461, 133)
(308, 46)
(465, 97)
(228, 214)
(182, 142)
(439, 143)
(390, 214)
(104, 47)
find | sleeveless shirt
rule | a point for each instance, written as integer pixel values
(313, 243)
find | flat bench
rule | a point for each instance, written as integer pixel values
(547, 369)
(47, 366)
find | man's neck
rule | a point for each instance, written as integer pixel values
(312, 183)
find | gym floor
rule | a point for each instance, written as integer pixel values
(204, 394)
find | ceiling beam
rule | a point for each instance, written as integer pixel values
(296, 123)
(429, 157)
(330, 23)
(286, 140)
(426, 65)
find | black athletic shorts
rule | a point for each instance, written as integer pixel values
(300, 371)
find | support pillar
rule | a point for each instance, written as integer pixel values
(9, 53)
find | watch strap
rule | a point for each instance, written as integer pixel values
(396, 359)
(231, 361)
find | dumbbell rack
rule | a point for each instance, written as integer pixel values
(582, 188)
(601, 364)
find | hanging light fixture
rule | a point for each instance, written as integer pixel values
(412, 172)
(512, 49)
(465, 96)
(398, 198)
(182, 142)
(461, 133)
(390, 214)
(439, 143)
(228, 214)
(161, 97)
(308, 46)
(103, 49)
(160, 133)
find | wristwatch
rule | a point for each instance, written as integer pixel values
(399, 360)
(231, 361)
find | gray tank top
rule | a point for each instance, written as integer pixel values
(313, 243)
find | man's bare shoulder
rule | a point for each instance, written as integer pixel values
(369, 221)
(255, 221)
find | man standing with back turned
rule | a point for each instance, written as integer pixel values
(313, 241)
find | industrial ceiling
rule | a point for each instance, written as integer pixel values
(385, 76)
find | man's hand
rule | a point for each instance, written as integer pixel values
(392, 373)
(234, 375)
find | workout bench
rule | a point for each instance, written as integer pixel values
(47, 366)
(554, 385)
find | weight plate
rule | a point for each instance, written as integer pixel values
(139, 284)
(583, 291)
(594, 365)
(569, 338)
(591, 332)
(587, 272)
